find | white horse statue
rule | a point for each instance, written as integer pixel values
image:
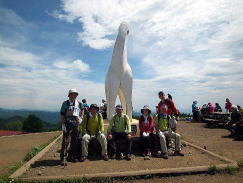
(119, 77)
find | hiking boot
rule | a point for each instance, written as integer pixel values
(113, 156)
(63, 162)
(178, 153)
(165, 155)
(118, 156)
(147, 158)
(105, 157)
(83, 158)
(75, 160)
(128, 157)
(149, 154)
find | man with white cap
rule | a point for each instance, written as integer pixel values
(119, 129)
(71, 114)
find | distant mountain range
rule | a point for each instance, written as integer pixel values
(48, 116)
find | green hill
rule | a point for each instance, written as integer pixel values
(48, 116)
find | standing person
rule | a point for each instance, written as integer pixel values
(119, 129)
(71, 114)
(228, 105)
(146, 126)
(194, 111)
(217, 108)
(103, 108)
(93, 127)
(85, 106)
(169, 103)
(162, 121)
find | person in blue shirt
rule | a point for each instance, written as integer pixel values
(85, 106)
(194, 110)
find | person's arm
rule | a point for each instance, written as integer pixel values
(156, 123)
(111, 122)
(128, 124)
(141, 125)
(102, 126)
(151, 125)
(81, 107)
(159, 104)
(62, 119)
(83, 124)
(173, 107)
(62, 112)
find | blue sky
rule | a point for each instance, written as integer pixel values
(192, 49)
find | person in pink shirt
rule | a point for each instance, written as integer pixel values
(210, 108)
(146, 126)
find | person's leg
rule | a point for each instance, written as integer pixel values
(85, 145)
(128, 143)
(142, 142)
(102, 140)
(177, 138)
(162, 140)
(74, 144)
(64, 139)
(112, 145)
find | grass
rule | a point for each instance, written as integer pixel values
(11, 169)
(227, 170)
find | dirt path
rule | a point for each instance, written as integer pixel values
(14, 148)
(215, 140)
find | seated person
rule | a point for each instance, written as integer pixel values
(210, 108)
(217, 108)
(163, 131)
(146, 126)
(236, 117)
(93, 127)
(119, 128)
(237, 129)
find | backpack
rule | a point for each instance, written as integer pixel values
(168, 117)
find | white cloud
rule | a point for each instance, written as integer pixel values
(13, 57)
(192, 49)
(76, 64)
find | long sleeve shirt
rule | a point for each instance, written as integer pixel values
(146, 124)
(95, 124)
(119, 124)
(171, 107)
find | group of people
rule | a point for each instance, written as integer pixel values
(78, 124)
(235, 125)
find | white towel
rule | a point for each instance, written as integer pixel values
(76, 109)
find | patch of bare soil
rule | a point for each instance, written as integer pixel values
(14, 148)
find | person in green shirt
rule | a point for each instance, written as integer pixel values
(93, 127)
(119, 129)
(162, 124)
